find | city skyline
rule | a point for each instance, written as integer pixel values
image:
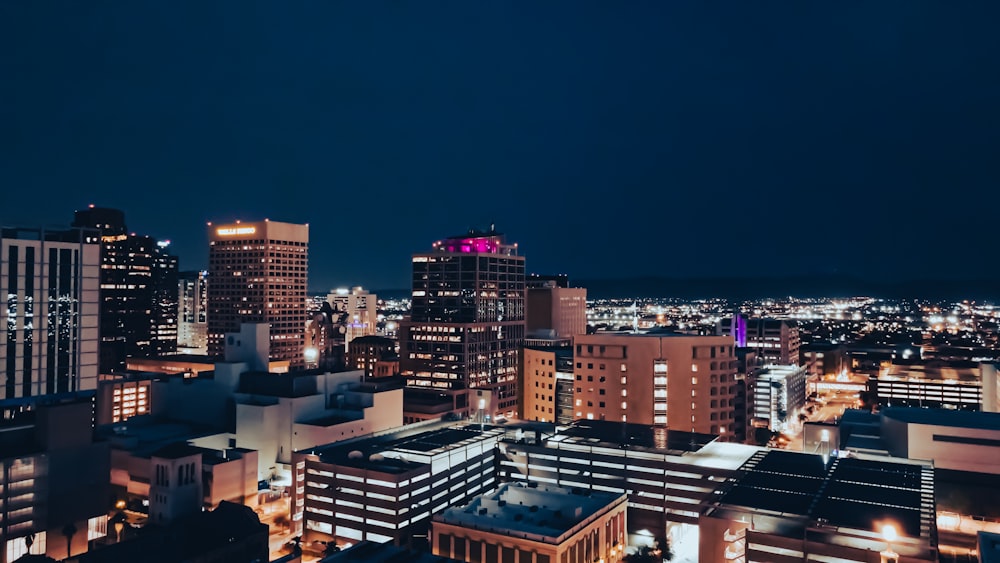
(807, 153)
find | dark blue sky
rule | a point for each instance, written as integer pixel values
(607, 138)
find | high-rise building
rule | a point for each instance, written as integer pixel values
(361, 308)
(258, 274)
(466, 325)
(682, 382)
(51, 280)
(776, 341)
(138, 291)
(192, 312)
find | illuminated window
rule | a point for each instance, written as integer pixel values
(97, 527)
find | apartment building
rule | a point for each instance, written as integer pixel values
(677, 381)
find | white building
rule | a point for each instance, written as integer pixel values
(779, 393)
(360, 307)
(955, 440)
(52, 281)
(276, 413)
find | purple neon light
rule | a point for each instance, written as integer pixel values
(472, 245)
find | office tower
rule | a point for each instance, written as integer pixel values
(258, 274)
(466, 326)
(776, 341)
(138, 291)
(360, 307)
(51, 280)
(561, 312)
(678, 381)
(192, 312)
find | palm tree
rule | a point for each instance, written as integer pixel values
(69, 530)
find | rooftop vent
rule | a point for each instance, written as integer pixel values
(534, 508)
(376, 457)
(355, 455)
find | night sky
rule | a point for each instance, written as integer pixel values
(608, 139)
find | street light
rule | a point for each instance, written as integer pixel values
(889, 535)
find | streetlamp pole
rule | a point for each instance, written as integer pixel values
(889, 535)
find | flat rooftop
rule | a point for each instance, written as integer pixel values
(850, 493)
(627, 435)
(546, 512)
(945, 417)
(402, 451)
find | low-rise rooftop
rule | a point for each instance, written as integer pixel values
(945, 417)
(404, 450)
(542, 513)
(846, 493)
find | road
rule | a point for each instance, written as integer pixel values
(828, 412)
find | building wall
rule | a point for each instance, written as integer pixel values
(598, 540)
(663, 488)
(991, 387)
(681, 382)
(953, 448)
(539, 385)
(776, 341)
(275, 427)
(351, 503)
(234, 480)
(778, 394)
(929, 393)
(361, 308)
(202, 401)
(52, 312)
(176, 488)
(563, 310)
(63, 481)
(119, 399)
(192, 312)
(266, 263)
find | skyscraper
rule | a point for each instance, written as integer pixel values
(51, 280)
(466, 326)
(138, 291)
(192, 312)
(258, 274)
